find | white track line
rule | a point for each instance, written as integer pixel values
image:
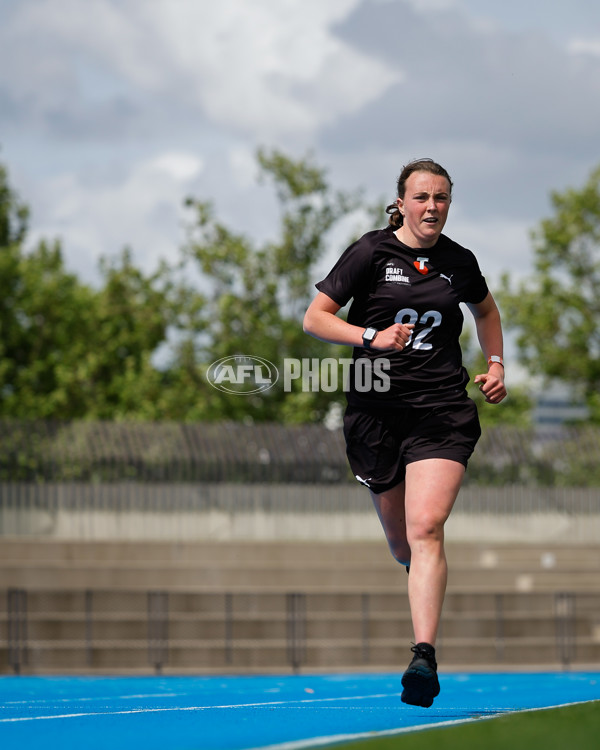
(288, 703)
(90, 699)
(338, 738)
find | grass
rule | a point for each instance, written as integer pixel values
(576, 727)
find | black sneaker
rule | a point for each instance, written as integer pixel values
(420, 681)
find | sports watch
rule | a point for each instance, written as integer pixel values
(369, 336)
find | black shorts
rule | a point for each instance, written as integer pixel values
(379, 444)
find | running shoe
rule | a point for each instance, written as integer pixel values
(420, 681)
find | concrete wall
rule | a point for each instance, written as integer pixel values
(229, 512)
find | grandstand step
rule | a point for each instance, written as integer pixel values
(202, 657)
(290, 554)
(58, 628)
(72, 630)
(253, 576)
(87, 607)
(280, 566)
(245, 605)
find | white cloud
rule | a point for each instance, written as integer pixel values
(178, 166)
(265, 68)
(244, 167)
(464, 82)
(580, 46)
(501, 245)
(161, 98)
(427, 6)
(142, 211)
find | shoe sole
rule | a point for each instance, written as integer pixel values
(420, 687)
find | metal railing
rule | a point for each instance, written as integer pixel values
(104, 480)
(283, 632)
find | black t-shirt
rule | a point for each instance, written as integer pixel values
(389, 281)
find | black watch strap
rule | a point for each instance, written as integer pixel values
(369, 336)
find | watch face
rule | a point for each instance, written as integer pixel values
(369, 334)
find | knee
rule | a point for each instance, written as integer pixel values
(426, 530)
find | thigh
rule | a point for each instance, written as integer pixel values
(431, 488)
(390, 507)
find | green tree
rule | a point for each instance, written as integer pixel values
(515, 410)
(116, 377)
(70, 351)
(258, 294)
(43, 311)
(556, 312)
(45, 318)
(66, 350)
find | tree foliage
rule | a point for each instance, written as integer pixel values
(556, 312)
(258, 294)
(515, 410)
(66, 350)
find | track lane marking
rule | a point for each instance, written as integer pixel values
(288, 703)
(339, 738)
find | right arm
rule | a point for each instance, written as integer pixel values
(322, 322)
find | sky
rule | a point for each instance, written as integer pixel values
(113, 111)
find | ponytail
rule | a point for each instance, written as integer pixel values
(396, 219)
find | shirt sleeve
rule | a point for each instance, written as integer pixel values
(348, 275)
(477, 289)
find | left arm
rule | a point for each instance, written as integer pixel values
(489, 333)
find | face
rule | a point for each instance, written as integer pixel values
(425, 209)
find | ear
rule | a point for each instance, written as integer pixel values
(400, 204)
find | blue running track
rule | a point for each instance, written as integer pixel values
(235, 713)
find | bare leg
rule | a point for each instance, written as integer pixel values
(390, 509)
(413, 515)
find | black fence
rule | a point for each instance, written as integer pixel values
(91, 452)
(120, 632)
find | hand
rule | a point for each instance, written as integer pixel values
(395, 337)
(492, 384)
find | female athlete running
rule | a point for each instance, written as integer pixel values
(409, 442)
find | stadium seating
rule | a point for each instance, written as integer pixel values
(224, 607)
